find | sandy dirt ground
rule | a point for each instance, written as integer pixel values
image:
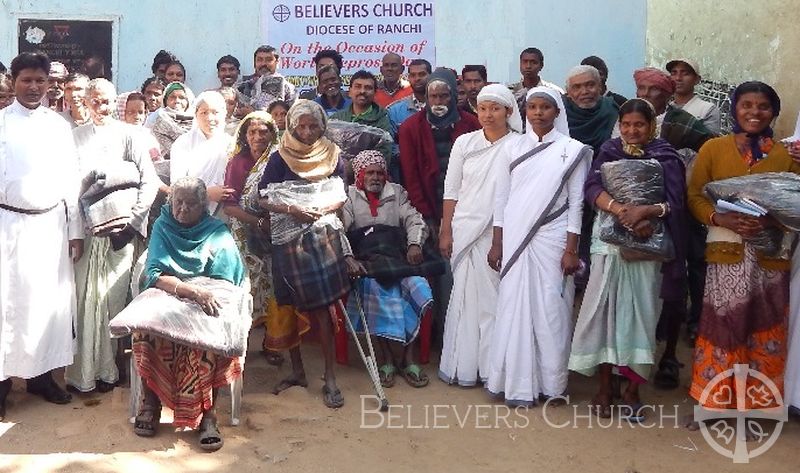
(437, 428)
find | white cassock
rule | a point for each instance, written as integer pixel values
(38, 171)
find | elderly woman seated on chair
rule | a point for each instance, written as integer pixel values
(387, 234)
(186, 242)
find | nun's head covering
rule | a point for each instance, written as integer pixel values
(443, 77)
(554, 97)
(499, 93)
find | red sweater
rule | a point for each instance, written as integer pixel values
(418, 160)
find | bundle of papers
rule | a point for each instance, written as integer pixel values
(743, 205)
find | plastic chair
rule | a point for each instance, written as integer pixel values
(425, 331)
(136, 393)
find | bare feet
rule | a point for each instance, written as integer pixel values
(294, 379)
(331, 395)
(690, 424)
(601, 405)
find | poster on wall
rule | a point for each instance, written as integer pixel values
(362, 32)
(82, 46)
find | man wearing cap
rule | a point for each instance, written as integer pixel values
(386, 235)
(55, 87)
(686, 74)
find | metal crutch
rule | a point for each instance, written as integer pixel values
(369, 361)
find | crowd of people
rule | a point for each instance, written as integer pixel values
(489, 210)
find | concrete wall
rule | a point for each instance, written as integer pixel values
(733, 41)
(467, 32)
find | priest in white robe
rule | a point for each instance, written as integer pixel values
(41, 235)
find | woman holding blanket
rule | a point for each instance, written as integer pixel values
(468, 196)
(537, 223)
(744, 317)
(303, 190)
(616, 325)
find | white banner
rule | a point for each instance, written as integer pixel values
(362, 32)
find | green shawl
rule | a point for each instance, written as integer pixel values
(592, 126)
(206, 249)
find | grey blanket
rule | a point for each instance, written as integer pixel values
(183, 321)
(108, 196)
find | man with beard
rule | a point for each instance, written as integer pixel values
(41, 232)
(602, 68)
(227, 70)
(331, 96)
(76, 112)
(386, 234)
(55, 87)
(266, 85)
(393, 87)
(426, 139)
(591, 118)
(363, 108)
(474, 78)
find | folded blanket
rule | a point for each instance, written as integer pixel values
(778, 193)
(159, 313)
(108, 195)
(636, 182)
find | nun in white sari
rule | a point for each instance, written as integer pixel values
(537, 219)
(792, 381)
(466, 234)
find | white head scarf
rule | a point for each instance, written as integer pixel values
(560, 124)
(499, 93)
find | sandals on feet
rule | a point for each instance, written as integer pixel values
(668, 374)
(633, 412)
(332, 399)
(414, 376)
(386, 373)
(210, 437)
(147, 420)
